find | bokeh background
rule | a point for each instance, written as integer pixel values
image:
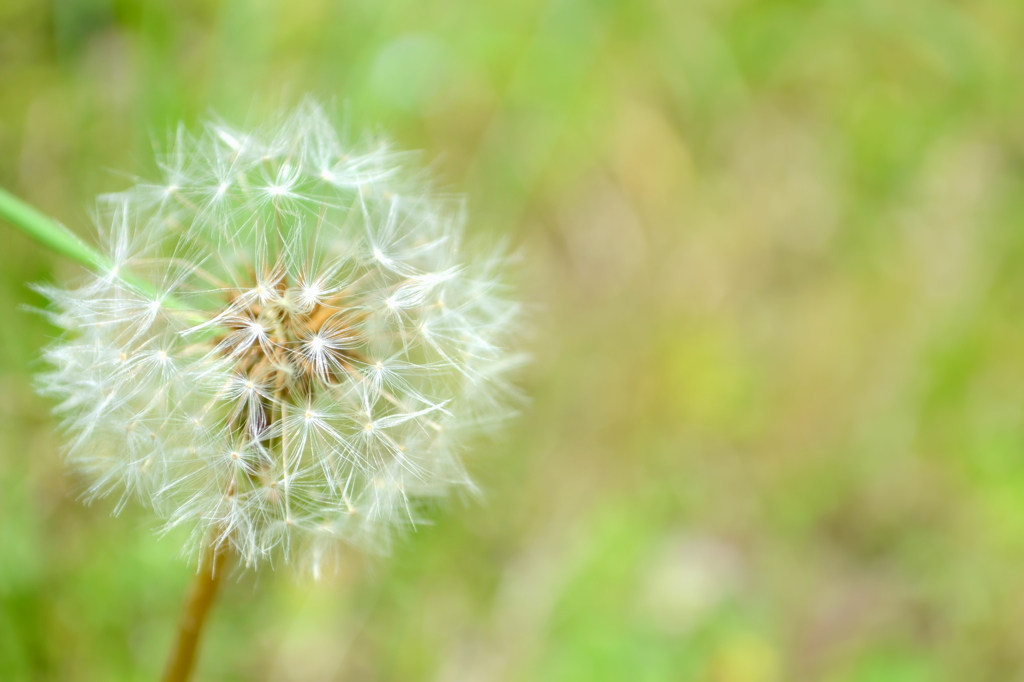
(773, 254)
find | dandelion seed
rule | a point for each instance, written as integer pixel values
(295, 383)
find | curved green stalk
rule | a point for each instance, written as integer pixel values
(48, 232)
(59, 239)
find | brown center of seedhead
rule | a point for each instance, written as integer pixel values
(288, 342)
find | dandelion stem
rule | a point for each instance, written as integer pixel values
(200, 597)
(48, 232)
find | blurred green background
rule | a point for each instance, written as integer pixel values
(773, 251)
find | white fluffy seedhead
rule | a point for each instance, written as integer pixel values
(289, 346)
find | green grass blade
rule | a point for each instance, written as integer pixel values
(48, 232)
(59, 239)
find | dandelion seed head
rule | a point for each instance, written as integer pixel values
(295, 385)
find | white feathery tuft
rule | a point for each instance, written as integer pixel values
(291, 344)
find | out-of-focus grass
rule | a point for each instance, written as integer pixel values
(774, 249)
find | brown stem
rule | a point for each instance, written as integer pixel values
(200, 597)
